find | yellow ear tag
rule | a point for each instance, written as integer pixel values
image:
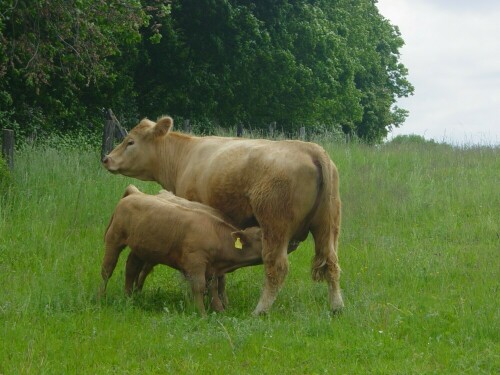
(238, 243)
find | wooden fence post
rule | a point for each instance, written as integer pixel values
(8, 147)
(112, 130)
(239, 130)
(187, 126)
(302, 133)
(272, 128)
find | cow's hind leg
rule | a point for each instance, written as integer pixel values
(274, 256)
(325, 265)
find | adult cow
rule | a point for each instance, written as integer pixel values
(288, 188)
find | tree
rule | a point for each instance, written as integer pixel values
(314, 63)
(59, 58)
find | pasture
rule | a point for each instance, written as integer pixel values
(419, 251)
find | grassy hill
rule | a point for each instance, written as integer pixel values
(419, 250)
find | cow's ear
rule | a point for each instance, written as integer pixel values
(163, 126)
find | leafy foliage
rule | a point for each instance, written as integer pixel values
(321, 64)
(57, 62)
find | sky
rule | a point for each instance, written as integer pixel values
(452, 52)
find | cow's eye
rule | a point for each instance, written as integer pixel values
(130, 142)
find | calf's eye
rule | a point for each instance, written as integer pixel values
(130, 142)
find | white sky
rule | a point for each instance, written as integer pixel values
(452, 51)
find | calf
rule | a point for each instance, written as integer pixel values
(218, 292)
(200, 245)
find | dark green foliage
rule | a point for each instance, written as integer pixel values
(59, 61)
(321, 64)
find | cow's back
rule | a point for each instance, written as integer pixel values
(248, 180)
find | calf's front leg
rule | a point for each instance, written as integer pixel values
(198, 286)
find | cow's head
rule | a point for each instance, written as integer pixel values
(136, 155)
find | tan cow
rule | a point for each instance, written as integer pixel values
(200, 245)
(288, 188)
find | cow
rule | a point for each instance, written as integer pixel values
(288, 188)
(202, 246)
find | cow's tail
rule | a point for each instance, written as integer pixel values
(326, 223)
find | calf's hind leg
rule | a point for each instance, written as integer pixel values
(132, 271)
(213, 289)
(108, 264)
(198, 286)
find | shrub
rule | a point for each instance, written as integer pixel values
(410, 139)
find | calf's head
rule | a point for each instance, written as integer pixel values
(136, 156)
(250, 240)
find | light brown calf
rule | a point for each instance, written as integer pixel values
(288, 188)
(194, 242)
(218, 299)
(218, 291)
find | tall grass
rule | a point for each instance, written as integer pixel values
(419, 251)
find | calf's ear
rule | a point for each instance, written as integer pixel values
(163, 126)
(239, 238)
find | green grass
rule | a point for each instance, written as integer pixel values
(419, 251)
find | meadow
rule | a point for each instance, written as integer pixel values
(419, 251)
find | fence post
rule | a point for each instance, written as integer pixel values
(108, 135)
(8, 147)
(187, 126)
(112, 130)
(272, 128)
(239, 130)
(302, 133)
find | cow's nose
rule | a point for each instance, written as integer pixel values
(105, 160)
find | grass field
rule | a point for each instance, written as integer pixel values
(419, 250)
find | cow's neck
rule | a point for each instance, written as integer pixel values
(172, 151)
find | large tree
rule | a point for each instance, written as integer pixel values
(61, 59)
(332, 64)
